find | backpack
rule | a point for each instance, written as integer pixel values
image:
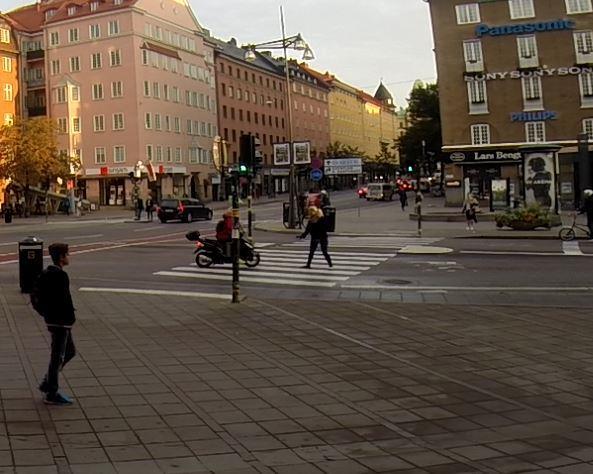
(38, 298)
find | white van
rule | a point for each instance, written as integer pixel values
(380, 192)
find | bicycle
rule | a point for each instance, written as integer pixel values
(567, 233)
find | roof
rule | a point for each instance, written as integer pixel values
(231, 50)
(27, 18)
(383, 94)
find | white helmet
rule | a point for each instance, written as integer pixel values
(588, 192)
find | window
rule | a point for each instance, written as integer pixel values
(118, 121)
(156, 90)
(586, 84)
(55, 67)
(8, 119)
(157, 122)
(587, 127)
(477, 97)
(149, 152)
(166, 93)
(97, 91)
(72, 10)
(583, 43)
(74, 64)
(527, 49)
(96, 61)
(167, 123)
(145, 55)
(8, 92)
(146, 89)
(159, 153)
(115, 58)
(472, 51)
(94, 6)
(94, 31)
(535, 132)
(578, 6)
(177, 124)
(73, 35)
(61, 96)
(521, 9)
(62, 125)
(532, 88)
(100, 157)
(6, 64)
(480, 134)
(193, 154)
(4, 35)
(119, 154)
(75, 124)
(169, 155)
(113, 27)
(117, 89)
(54, 38)
(75, 93)
(177, 155)
(148, 120)
(467, 13)
(99, 123)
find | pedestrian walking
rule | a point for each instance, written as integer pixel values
(149, 208)
(317, 228)
(51, 298)
(587, 208)
(470, 207)
(139, 208)
(403, 198)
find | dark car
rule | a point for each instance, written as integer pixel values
(362, 192)
(184, 209)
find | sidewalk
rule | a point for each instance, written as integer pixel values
(165, 385)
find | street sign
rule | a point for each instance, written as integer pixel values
(343, 166)
(316, 164)
(316, 175)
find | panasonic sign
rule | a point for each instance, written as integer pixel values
(524, 28)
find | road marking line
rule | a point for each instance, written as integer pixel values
(533, 254)
(323, 270)
(346, 254)
(244, 271)
(8, 243)
(470, 288)
(248, 279)
(77, 237)
(148, 228)
(571, 248)
(318, 264)
(297, 260)
(336, 256)
(189, 294)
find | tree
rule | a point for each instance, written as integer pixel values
(340, 150)
(29, 156)
(424, 125)
(384, 163)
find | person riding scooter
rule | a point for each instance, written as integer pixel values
(224, 231)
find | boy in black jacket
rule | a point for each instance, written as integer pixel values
(58, 312)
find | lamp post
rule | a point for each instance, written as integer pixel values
(296, 43)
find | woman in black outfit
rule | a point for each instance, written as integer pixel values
(318, 230)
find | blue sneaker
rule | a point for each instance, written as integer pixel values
(57, 399)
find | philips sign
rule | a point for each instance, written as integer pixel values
(544, 115)
(540, 27)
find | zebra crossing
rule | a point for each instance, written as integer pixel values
(386, 242)
(281, 266)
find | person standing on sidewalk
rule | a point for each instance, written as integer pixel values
(52, 299)
(149, 208)
(139, 208)
(318, 230)
(470, 207)
(587, 209)
(403, 198)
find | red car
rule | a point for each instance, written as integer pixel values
(362, 192)
(404, 184)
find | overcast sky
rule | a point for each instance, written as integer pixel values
(359, 42)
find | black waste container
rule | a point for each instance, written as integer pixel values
(8, 216)
(330, 218)
(285, 212)
(30, 262)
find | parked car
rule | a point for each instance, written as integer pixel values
(362, 192)
(380, 192)
(404, 184)
(185, 209)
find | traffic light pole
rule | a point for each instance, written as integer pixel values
(236, 243)
(250, 213)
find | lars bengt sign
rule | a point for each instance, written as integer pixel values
(541, 116)
(485, 156)
(541, 72)
(524, 28)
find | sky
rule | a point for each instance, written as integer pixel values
(361, 42)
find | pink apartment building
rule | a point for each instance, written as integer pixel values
(126, 81)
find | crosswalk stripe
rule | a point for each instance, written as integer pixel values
(318, 263)
(316, 267)
(345, 254)
(278, 273)
(297, 260)
(246, 278)
(332, 254)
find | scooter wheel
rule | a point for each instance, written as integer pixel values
(253, 261)
(203, 260)
(567, 234)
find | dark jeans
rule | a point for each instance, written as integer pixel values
(62, 351)
(314, 243)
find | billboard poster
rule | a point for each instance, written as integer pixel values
(499, 194)
(302, 153)
(281, 154)
(540, 183)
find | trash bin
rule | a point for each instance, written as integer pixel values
(285, 212)
(8, 216)
(330, 218)
(30, 262)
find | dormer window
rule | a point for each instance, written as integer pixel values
(117, 2)
(50, 13)
(94, 6)
(72, 10)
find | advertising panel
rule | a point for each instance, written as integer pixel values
(540, 183)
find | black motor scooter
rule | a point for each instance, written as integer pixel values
(209, 252)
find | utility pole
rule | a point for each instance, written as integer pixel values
(236, 242)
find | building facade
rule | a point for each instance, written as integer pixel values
(127, 81)
(251, 100)
(516, 95)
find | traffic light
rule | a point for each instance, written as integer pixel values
(243, 170)
(410, 169)
(258, 159)
(247, 150)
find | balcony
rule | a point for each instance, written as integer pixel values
(36, 111)
(35, 82)
(35, 55)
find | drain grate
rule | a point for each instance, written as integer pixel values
(396, 282)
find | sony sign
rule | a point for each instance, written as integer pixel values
(541, 72)
(525, 28)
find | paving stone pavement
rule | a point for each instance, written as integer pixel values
(166, 385)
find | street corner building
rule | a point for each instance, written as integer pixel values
(129, 82)
(516, 98)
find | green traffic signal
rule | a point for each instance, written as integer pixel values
(242, 169)
(410, 169)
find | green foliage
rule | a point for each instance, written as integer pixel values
(424, 124)
(340, 150)
(525, 218)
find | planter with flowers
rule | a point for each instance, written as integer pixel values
(526, 218)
